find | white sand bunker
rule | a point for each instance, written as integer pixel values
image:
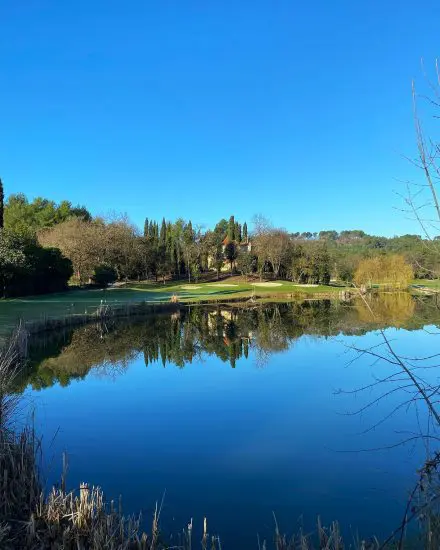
(190, 287)
(309, 285)
(268, 284)
(223, 284)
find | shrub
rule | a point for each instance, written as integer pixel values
(104, 275)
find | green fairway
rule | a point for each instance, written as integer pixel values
(427, 283)
(230, 288)
(81, 301)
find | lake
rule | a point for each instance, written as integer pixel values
(238, 413)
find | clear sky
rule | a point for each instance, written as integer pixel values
(299, 110)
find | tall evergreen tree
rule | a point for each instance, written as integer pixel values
(245, 233)
(231, 229)
(146, 228)
(237, 232)
(163, 233)
(2, 205)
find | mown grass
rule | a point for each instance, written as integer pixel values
(233, 287)
(434, 284)
(80, 301)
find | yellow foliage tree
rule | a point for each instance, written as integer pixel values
(390, 271)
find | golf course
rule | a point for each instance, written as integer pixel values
(78, 300)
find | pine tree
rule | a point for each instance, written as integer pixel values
(146, 228)
(2, 206)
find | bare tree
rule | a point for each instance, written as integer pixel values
(409, 374)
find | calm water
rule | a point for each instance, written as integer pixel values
(236, 414)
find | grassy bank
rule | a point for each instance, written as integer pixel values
(85, 301)
(229, 290)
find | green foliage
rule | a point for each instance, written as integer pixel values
(245, 233)
(163, 233)
(27, 268)
(245, 263)
(231, 253)
(221, 228)
(175, 249)
(310, 264)
(104, 275)
(22, 216)
(231, 229)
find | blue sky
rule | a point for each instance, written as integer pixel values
(297, 110)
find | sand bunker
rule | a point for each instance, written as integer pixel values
(223, 284)
(190, 287)
(268, 284)
(309, 285)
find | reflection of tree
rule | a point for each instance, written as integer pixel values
(228, 333)
(394, 308)
(410, 378)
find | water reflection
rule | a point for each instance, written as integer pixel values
(226, 332)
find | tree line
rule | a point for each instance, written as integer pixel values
(27, 267)
(43, 245)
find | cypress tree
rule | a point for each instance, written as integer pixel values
(146, 228)
(245, 233)
(231, 229)
(163, 233)
(2, 205)
(237, 232)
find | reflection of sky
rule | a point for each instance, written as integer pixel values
(256, 439)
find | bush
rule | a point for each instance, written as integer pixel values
(104, 275)
(28, 268)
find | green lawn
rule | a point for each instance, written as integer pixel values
(229, 288)
(435, 283)
(80, 301)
